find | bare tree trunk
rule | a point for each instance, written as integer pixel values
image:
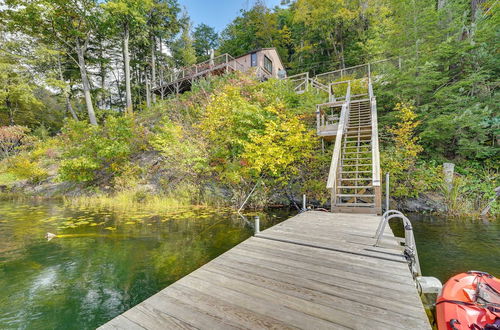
(10, 107)
(69, 107)
(148, 90)
(153, 66)
(126, 63)
(103, 75)
(474, 5)
(80, 50)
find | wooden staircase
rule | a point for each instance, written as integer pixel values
(354, 178)
(355, 192)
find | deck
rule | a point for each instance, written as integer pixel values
(316, 270)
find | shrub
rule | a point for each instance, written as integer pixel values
(400, 157)
(25, 168)
(92, 151)
(11, 138)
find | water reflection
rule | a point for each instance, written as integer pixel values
(102, 262)
(447, 247)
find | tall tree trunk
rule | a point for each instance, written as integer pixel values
(126, 63)
(153, 66)
(10, 107)
(64, 91)
(80, 50)
(103, 74)
(474, 5)
(148, 90)
(161, 65)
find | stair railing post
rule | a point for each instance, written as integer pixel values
(257, 225)
(318, 118)
(387, 196)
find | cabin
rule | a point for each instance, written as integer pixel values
(264, 63)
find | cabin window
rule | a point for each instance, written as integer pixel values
(253, 59)
(268, 64)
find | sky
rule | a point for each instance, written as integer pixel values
(218, 13)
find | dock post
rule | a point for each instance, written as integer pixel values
(387, 208)
(304, 203)
(257, 225)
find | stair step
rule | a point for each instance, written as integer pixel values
(356, 204)
(346, 165)
(354, 195)
(355, 187)
(359, 126)
(352, 172)
(356, 179)
(360, 152)
(356, 136)
(355, 147)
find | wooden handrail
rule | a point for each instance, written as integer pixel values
(375, 145)
(344, 117)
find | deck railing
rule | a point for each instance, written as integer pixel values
(328, 116)
(224, 61)
(300, 82)
(360, 71)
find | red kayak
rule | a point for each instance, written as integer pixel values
(469, 301)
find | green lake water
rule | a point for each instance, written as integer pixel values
(105, 262)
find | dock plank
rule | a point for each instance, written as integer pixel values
(316, 270)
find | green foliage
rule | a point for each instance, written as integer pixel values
(399, 158)
(18, 102)
(23, 167)
(184, 52)
(254, 29)
(256, 130)
(280, 148)
(180, 151)
(93, 152)
(205, 39)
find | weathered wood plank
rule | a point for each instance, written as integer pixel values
(370, 307)
(314, 271)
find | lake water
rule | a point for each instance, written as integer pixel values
(105, 262)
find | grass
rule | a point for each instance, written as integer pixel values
(6, 179)
(130, 200)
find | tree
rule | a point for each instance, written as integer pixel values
(205, 39)
(129, 15)
(255, 28)
(67, 25)
(163, 24)
(17, 92)
(183, 48)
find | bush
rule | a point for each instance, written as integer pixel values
(104, 151)
(25, 168)
(11, 138)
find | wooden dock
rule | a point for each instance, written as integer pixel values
(316, 270)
